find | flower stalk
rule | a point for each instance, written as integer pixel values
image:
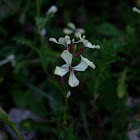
(38, 6)
(79, 51)
(66, 112)
(67, 95)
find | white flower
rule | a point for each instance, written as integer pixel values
(87, 43)
(82, 66)
(62, 40)
(73, 29)
(53, 9)
(10, 58)
(136, 9)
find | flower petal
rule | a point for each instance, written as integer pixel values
(60, 71)
(73, 81)
(67, 56)
(80, 36)
(82, 66)
(87, 43)
(65, 66)
(64, 40)
(71, 25)
(76, 34)
(67, 39)
(82, 31)
(53, 40)
(67, 31)
(89, 63)
(61, 40)
(96, 46)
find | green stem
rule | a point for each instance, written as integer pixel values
(96, 87)
(16, 132)
(4, 117)
(66, 112)
(38, 6)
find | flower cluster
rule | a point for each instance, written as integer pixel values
(69, 53)
(42, 21)
(73, 30)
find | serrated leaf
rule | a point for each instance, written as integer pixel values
(23, 41)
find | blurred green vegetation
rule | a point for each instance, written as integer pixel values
(97, 108)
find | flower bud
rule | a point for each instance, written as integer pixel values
(68, 94)
(43, 32)
(52, 10)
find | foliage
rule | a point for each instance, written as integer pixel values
(97, 108)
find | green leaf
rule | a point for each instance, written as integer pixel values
(70, 135)
(108, 29)
(4, 118)
(121, 88)
(41, 22)
(67, 134)
(23, 41)
(34, 102)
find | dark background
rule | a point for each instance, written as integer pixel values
(105, 106)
